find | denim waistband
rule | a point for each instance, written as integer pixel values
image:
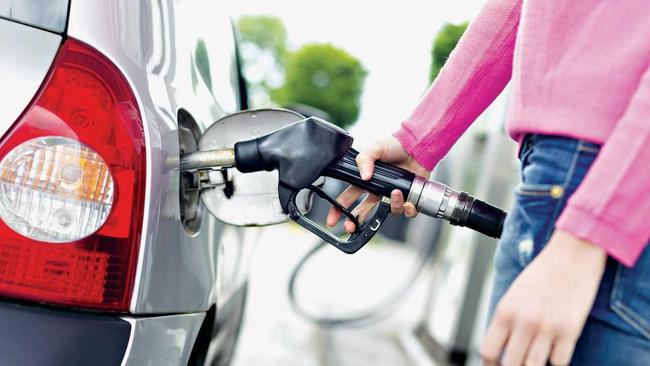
(556, 142)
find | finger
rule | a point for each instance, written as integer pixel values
(409, 210)
(397, 202)
(562, 351)
(489, 363)
(517, 345)
(349, 226)
(366, 206)
(540, 349)
(366, 160)
(495, 339)
(346, 198)
(361, 211)
(333, 216)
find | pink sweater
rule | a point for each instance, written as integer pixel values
(579, 69)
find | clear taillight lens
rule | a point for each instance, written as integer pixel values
(55, 189)
(72, 187)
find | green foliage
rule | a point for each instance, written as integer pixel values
(266, 32)
(317, 75)
(445, 42)
(262, 38)
(324, 77)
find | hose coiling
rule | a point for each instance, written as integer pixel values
(372, 314)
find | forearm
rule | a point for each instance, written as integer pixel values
(612, 205)
(475, 74)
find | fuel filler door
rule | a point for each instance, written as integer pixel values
(245, 199)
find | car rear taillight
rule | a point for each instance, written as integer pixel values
(72, 185)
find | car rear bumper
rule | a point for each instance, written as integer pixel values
(31, 335)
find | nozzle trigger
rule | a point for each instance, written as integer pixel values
(363, 233)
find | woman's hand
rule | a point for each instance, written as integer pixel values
(388, 150)
(543, 312)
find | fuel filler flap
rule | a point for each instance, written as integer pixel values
(245, 199)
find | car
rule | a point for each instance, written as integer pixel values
(107, 255)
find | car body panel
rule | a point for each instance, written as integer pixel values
(27, 54)
(157, 45)
(50, 14)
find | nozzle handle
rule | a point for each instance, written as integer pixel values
(385, 179)
(434, 201)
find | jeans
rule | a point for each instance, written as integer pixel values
(617, 331)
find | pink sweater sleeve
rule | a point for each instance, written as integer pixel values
(476, 72)
(611, 207)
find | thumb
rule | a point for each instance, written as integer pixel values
(366, 160)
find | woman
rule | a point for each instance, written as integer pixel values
(572, 280)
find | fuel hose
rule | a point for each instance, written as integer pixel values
(372, 314)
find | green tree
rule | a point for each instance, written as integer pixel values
(325, 77)
(265, 32)
(445, 42)
(263, 49)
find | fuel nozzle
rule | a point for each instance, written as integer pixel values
(312, 148)
(219, 158)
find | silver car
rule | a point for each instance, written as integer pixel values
(107, 256)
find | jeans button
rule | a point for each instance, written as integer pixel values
(557, 191)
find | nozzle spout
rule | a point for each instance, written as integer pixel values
(216, 159)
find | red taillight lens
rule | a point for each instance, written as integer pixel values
(78, 151)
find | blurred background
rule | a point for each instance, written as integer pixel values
(364, 66)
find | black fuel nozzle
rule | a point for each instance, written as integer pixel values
(312, 148)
